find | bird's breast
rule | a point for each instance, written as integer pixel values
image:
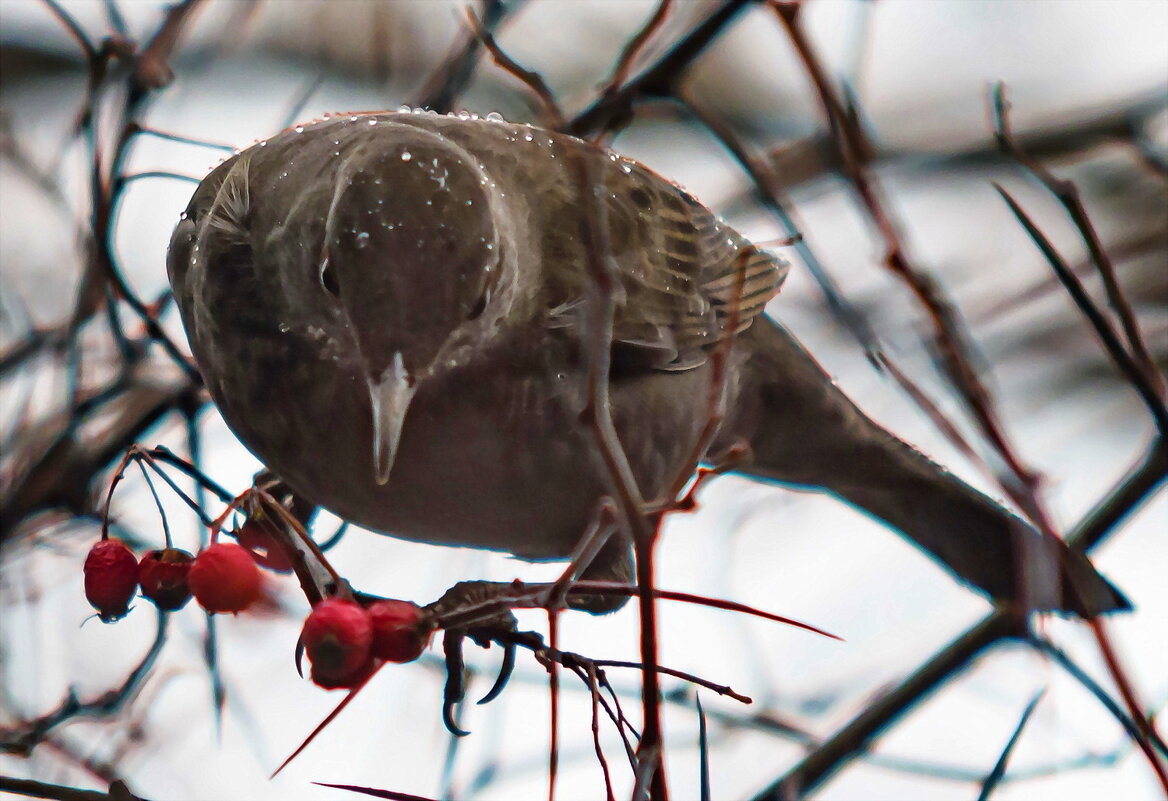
(492, 454)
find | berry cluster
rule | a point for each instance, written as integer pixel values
(222, 578)
(346, 641)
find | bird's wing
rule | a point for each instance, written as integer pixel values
(686, 278)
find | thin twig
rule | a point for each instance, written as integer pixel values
(661, 78)
(451, 77)
(1099, 323)
(158, 504)
(703, 752)
(720, 689)
(70, 23)
(1048, 648)
(1146, 733)
(995, 776)
(1067, 194)
(545, 101)
(628, 55)
(597, 698)
(22, 739)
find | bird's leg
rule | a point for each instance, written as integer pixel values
(474, 606)
(480, 610)
(602, 554)
(479, 606)
(614, 562)
(591, 546)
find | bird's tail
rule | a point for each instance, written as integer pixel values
(803, 431)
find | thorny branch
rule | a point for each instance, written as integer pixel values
(856, 154)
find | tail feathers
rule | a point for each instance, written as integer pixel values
(804, 431)
(979, 541)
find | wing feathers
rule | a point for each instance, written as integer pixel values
(685, 277)
(686, 271)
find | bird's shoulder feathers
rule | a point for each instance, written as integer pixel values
(686, 279)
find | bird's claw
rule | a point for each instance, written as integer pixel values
(480, 611)
(505, 670)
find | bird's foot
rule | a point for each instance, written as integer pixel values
(481, 612)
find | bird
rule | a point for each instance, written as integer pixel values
(391, 311)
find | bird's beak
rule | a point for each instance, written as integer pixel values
(390, 395)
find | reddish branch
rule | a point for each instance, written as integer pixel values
(597, 416)
(856, 154)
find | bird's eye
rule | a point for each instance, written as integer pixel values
(479, 307)
(328, 278)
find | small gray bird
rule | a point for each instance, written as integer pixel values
(389, 310)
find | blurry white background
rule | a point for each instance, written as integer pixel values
(920, 71)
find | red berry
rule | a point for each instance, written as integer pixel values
(341, 681)
(257, 538)
(398, 634)
(164, 578)
(111, 578)
(337, 636)
(224, 578)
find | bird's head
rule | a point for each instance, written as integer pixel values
(384, 240)
(411, 255)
